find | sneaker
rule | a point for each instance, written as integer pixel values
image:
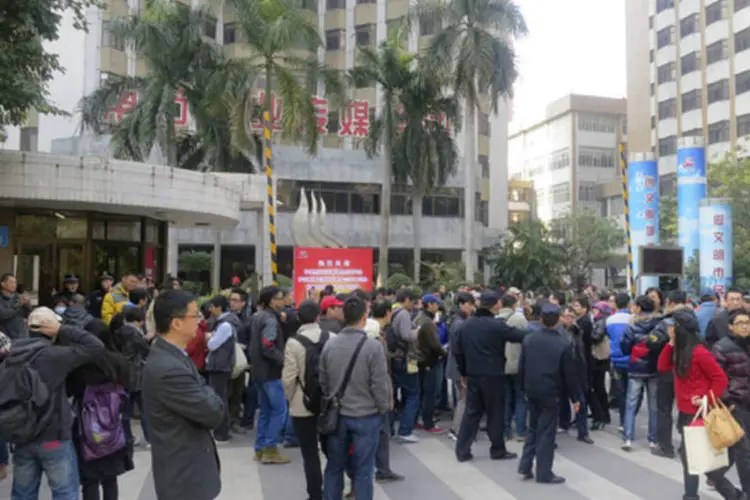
(146, 445)
(271, 456)
(411, 438)
(521, 438)
(452, 434)
(258, 456)
(350, 494)
(621, 429)
(627, 445)
(222, 442)
(661, 452)
(652, 445)
(388, 477)
(435, 430)
(419, 425)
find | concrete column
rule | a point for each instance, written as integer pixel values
(173, 251)
(216, 271)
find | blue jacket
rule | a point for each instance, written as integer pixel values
(616, 325)
(636, 341)
(705, 313)
(442, 328)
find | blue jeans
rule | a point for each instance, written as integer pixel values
(515, 405)
(362, 434)
(272, 416)
(409, 385)
(57, 460)
(636, 387)
(581, 418)
(4, 455)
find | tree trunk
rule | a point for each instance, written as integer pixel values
(470, 161)
(416, 213)
(385, 197)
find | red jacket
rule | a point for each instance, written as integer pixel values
(705, 375)
(197, 348)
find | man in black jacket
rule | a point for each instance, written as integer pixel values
(547, 370)
(480, 355)
(718, 327)
(11, 318)
(221, 356)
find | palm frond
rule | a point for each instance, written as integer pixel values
(95, 106)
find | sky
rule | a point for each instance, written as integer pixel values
(573, 46)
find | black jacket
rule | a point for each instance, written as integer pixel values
(718, 327)
(77, 316)
(546, 367)
(480, 345)
(134, 346)
(451, 367)
(94, 303)
(574, 336)
(329, 325)
(291, 324)
(243, 332)
(733, 355)
(11, 317)
(266, 346)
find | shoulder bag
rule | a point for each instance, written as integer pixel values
(330, 406)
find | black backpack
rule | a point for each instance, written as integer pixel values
(394, 342)
(25, 408)
(312, 394)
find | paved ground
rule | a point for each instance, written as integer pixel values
(594, 472)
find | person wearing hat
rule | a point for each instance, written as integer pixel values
(332, 310)
(95, 298)
(429, 355)
(71, 284)
(480, 355)
(547, 370)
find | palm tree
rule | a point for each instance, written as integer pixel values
(390, 67)
(473, 46)
(181, 63)
(424, 153)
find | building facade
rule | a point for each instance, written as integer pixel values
(688, 67)
(569, 153)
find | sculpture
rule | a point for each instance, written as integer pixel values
(308, 224)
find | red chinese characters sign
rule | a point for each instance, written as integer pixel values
(346, 269)
(130, 100)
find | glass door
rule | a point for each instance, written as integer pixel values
(71, 259)
(35, 271)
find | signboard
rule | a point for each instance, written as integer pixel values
(643, 197)
(716, 245)
(346, 269)
(4, 236)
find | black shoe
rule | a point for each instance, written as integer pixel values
(388, 477)
(504, 456)
(526, 476)
(597, 426)
(465, 458)
(553, 479)
(585, 439)
(236, 429)
(660, 452)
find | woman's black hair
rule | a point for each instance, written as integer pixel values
(113, 363)
(686, 339)
(659, 293)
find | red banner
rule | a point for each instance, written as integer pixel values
(345, 268)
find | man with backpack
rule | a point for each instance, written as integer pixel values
(35, 415)
(302, 387)
(401, 337)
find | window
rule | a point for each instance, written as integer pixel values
(596, 123)
(483, 124)
(616, 206)
(695, 132)
(596, 157)
(559, 159)
(559, 193)
(689, 63)
(665, 73)
(365, 203)
(668, 146)
(742, 82)
(743, 125)
(30, 139)
(427, 25)
(650, 22)
(691, 100)
(718, 91)
(230, 33)
(717, 51)
(715, 12)
(484, 161)
(689, 25)
(668, 109)
(441, 206)
(651, 55)
(364, 34)
(718, 132)
(359, 2)
(333, 122)
(334, 40)
(587, 191)
(653, 121)
(393, 24)
(335, 4)
(663, 37)
(740, 4)
(742, 40)
(209, 28)
(651, 88)
(664, 5)
(110, 40)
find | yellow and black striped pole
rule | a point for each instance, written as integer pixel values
(624, 172)
(271, 197)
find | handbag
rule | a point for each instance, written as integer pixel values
(700, 454)
(330, 406)
(240, 361)
(723, 429)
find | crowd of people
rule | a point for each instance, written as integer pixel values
(347, 374)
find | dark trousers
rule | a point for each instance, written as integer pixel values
(219, 382)
(442, 401)
(664, 402)
(620, 387)
(581, 419)
(429, 378)
(306, 429)
(598, 398)
(109, 491)
(251, 404)
(236, 395)
(483, 395)
(383, 455)
(540, 438)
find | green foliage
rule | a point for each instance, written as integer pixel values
(193, 262)
(527, 258)
(284, 281)
(398, 280)
(194, 287)
(692, 272)
(26, 68)
(668, 219)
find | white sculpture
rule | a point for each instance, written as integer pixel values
(308, 224)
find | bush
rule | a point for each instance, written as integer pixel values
(398, 280)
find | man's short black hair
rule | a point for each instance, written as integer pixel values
(266, 295)
(677, 297)
(169, 305)
(239, 291)
(78, 299)
(129, 273)
(362, 294)
(381, 308)
(354, 309)
(733, 289)
(405, 294)
(560, 298)
(583, 301)
(550, 319)
(536, 310)
(308, 312)
(221, 302)
(737, 312)
(708, 297)
(509, 300)
(132, 314)
(646, 303)
(137, 294)
(622, 300)
(464, 298)
(6, 276)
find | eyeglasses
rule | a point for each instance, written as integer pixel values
(741, 323)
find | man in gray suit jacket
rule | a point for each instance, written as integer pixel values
(180, 409)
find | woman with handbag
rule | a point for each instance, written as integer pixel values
(697, 375)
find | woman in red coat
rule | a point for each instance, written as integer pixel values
(696, 374)
(197, 348)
